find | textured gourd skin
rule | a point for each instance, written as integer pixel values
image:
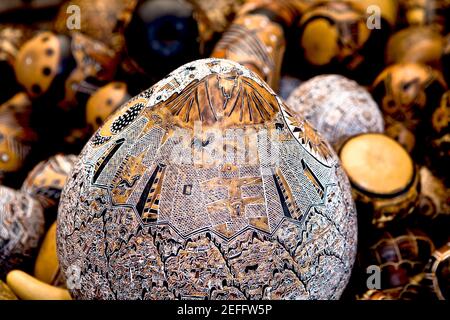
(46, 181)
(438, 155)
(433, 13)
(408, 94)
(436, 273)
(401, 256)
(415, 44)
(257, 38)
(140, 218)
(12, 37)
(337, 107)
(21, 228)
(18, 138)
(334, 37)
(102, 20)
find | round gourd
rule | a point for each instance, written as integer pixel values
(339, 108)
(161, 205)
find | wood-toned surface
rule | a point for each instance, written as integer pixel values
(104, 102)
(332, 32)
(102, 20)
(256, 38)
(255, 42)
(46, 181)
(38, 62)
(437, 273)
(388, 8)
(27, 287)
(408, 93)
(415, 44)
(6, 293)
(17, 135)
(377, 164)
(46, 266)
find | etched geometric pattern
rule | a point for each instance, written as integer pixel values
(274, 222)
(337, 107)
(21, 228)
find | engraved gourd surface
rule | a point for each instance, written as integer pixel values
(207, 186)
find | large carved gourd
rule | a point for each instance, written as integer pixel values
(207, 186)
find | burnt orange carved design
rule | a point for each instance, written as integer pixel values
(235, 203)
(224, 98)
(334, 31)
(408, 93)
(255, 41)
(307, 135)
